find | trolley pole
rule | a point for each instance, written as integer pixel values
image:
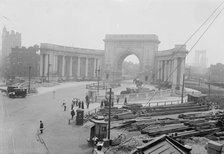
(29, 79)
(109, 114)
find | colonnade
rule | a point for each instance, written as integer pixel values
(53, 65)
(171, 70)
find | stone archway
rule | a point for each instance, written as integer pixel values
(121, 60)
(117, 47)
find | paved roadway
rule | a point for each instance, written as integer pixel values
(19, 122)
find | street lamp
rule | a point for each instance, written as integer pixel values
(98, 80)
(29, 79)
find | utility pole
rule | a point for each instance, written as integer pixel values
(209, 85)
(98, 80)
(109, 115)
(182, 94)
(29, 79)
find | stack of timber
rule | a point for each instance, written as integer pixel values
(125, 115)
(113, 111)
(165, 129)
(175, 109)
(133, 107)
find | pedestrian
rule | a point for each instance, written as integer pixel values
(41, 127)
(118, 100)
(82, 105)
(112, 103)
(125, 101)
(87, 104)
(72, 106)
(101, 104)
(72, 113)
(64, 105)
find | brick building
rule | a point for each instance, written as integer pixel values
(20, 59)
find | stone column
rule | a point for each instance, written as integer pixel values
(174, 77)
(41, 64)
(163, 70)
(158, 71)
(46, 65)
(171, 70)
(86, 73)
(63, 66)
(78, 68)
(55, 64)
(182, 69)
(70, 69)
(51, 63)
(167, 70)
(94, 68)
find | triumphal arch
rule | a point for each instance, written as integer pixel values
(71, 63)
(155, 66)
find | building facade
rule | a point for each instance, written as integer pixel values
(20, 59)
(10, 40)
(77, 63)
(68, 63)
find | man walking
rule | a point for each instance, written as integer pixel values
(72, 113)
(64, 105)
(41, 127)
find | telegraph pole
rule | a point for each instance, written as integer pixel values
(98, 80)
(209, 85)
(182, 94)
(29, 79)
(109, 114)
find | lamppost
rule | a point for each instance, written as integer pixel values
(29, 79)
(98, 80)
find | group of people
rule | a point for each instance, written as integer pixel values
(105, 102)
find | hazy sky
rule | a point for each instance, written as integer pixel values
(84, 23)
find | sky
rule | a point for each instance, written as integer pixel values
(84, 23)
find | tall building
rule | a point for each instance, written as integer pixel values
(10, 40)
(200, 58)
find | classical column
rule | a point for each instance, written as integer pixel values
(78, 68)
(163, 70)
(86, 73)
(167, 70)
(94, 68)
(182, 69)
(41, 65)
(160, 69)
(70, 70)
(63, 66)
(174, 77)
(55, 64)
(46, 65)
(157, 75)
(171, 70)
(51, 63)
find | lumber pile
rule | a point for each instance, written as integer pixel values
(176, 109)
(125, 115)
(166, 129)
(114, 110)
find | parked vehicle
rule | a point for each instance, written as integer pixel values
(14, 92)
